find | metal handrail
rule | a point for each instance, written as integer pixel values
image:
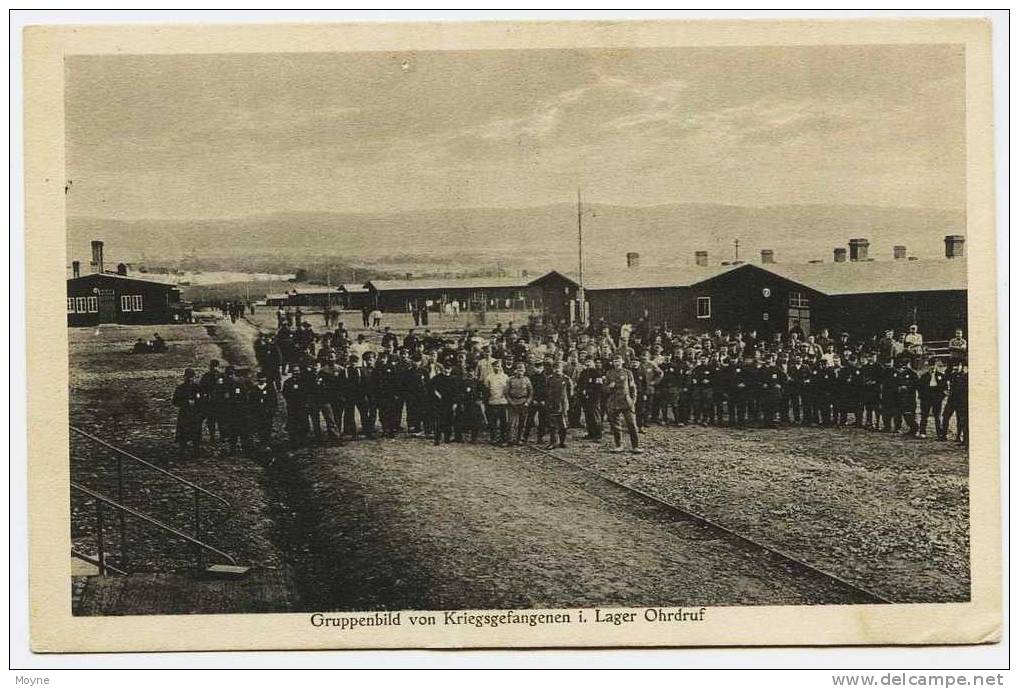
(101, 562)
(150, 465)
(124, 509)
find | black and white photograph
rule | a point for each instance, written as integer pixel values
(497, 338)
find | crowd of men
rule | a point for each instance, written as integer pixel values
(512, 382)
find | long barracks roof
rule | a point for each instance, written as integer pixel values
(875, 277)
(129, 278)
(434, 284)
(649, 277)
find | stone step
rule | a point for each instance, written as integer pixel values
(181, 593)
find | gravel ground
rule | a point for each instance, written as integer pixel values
(886, 513)
(406, 525)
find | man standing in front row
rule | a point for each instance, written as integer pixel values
(621, 396)
(558, 391)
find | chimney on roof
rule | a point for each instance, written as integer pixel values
(858, 249)
(840, 254)
(408, 276)
(767, 256)
(122, 269)
(632, 259)
(97, 256)
(701, 258)
(899, 252)
(76, 268)
(954, 246)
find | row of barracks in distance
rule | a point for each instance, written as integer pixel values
(853, 292)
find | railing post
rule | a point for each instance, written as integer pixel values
(100, 541)
(199, 555)
(120, 513)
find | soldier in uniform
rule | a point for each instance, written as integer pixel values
(296, 391)
(590, 384)
(958, 403)
(666, 390)
(233, 412)
(771, 381)
(369, 407)
(211, 384)
(740, 378)
(931, 386)
(262, 405)
(795, 374)
(420, 416)
(891, 420)
(704, 391)
(557, 405)
(470, 413)
(849, 399)
(620, 400)
(324, 393)
(905, 385)
(519, 395)
(536, 410)
(873, 373)
(187, 397)
(647, 376)
(386, 387)
(443, 401)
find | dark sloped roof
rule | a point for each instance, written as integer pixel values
(648, 277)
(875, 277)
(448, 283)
(115, 276)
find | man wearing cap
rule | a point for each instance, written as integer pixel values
(262, 405)
(535, 414)
(296, 390)
(620, 400)
(958, 403)
(557, 405)
(932, 387)
(519, 395)
(496, 402)
(444, 394)
(211, 384)
(321, 400)
(187, 397)
(591, 382)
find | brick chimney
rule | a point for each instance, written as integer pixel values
(899, 252)
(840, 254)
(632, 259)
(858, 249)
(767, 256)
(76, 268)
(954, 246)
(701, 258)
(97, 256)
(122, 269)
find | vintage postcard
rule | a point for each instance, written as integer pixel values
(511, 335)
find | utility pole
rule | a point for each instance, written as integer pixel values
(581, 303)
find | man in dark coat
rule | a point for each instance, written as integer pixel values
(932, 386)
(187, 397)
(558, 391)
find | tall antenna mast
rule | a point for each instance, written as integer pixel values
(580, 241)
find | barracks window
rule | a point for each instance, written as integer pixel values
(704, 307)
(93, 304)
(70, 305)
(80, 305)
(131, 302)
(798, 300)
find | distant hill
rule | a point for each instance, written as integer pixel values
(538, 237)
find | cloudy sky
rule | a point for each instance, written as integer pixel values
(222, 136)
